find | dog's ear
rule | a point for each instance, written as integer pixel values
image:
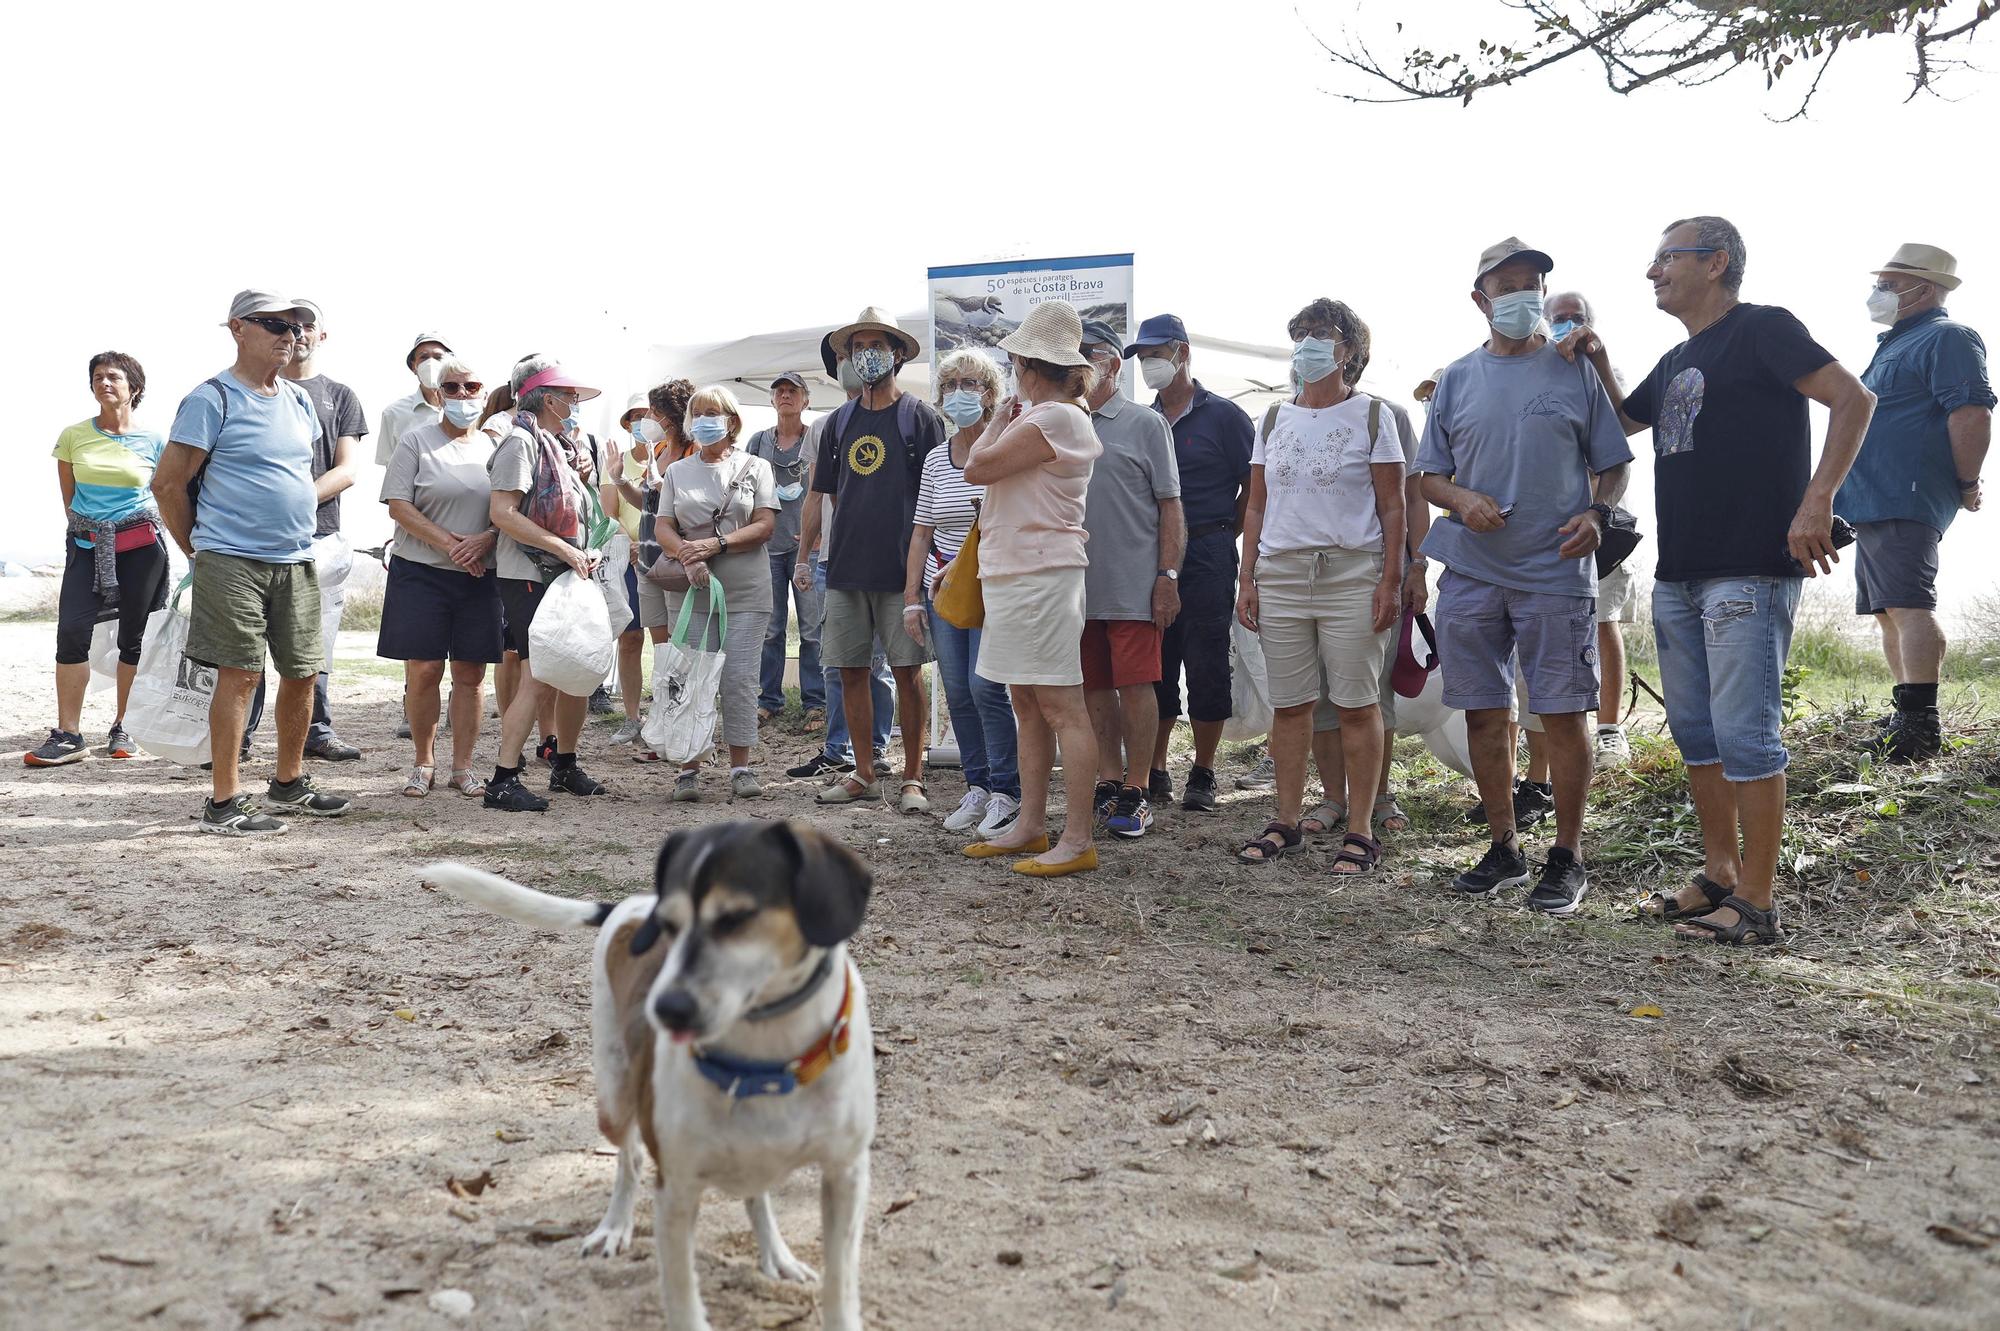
(649, 932)
(830, 884)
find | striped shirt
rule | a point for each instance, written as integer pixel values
(945, 505)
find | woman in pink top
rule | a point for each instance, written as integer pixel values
(1036, 470)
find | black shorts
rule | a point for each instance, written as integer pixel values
(1199, 640)
(435, 614)
(520, 599)
(142, 589)
(1895, 566)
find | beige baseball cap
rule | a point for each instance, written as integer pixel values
(1507, 251)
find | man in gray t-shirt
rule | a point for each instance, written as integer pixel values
(789, 449)
(1131, 589)
(1525, 450)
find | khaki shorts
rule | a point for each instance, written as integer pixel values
(242, 607)
(653, 605)
(856, 621)
(1313, 613)
(1616, 603)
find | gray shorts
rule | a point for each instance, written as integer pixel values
(855, 622)
(1482, 627)
(1616, 603)
(1895, 566)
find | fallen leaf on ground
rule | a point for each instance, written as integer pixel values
(117, 1259)
(1247, 1271)
(1648, 1010)
(1009, 1258)
(469, 1188)
(1566, 1099)
(902, 1203)
(1958, 1238)
(509, 1136)
(404, 1014)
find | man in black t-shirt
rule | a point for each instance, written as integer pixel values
(1743, 517)
(871, 455)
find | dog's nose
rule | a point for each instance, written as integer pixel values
(676, 1009)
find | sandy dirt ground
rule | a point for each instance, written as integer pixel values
(238, 1082)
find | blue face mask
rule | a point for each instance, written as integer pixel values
(706, 430)
(788, 493)
(1562, 329)
(462, 411)
(1516, 313)
(963, 406)
(1313, 358)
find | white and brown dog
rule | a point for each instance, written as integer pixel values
(731, 1037)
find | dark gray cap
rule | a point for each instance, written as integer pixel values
(794, 378)
(1096, 330)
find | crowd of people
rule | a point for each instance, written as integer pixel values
(1105, 546)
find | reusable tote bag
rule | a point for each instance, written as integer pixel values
(1249, 686)
(686, 681)
(167, 713)
(570, 645)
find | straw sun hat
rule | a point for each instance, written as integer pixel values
(1052, 332)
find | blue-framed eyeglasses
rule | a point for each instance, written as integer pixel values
(1664, 257)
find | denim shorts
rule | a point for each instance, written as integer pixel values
(1723, 643)
(1480, 629)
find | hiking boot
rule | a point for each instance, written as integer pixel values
(236, 816)
(62, 746)
(1500, 867)
(299, 796)
(600, 701)
(1562, 887)
(1198, 795)
(332, 749)
(1912, 737)
(819, 765)
(1132, 815)
(1533, 802)
(1264, 776)
(1104, 800)
(570, 779)
(508, 795)
(546, 751)
(1160, 786)
(1613, 748)
(970, 810)
(119, 744)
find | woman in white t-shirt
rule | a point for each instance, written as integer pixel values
(714, 511)
(1323, 549)
(1035, 464)
(982, 720)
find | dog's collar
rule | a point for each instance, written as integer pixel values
(743, 1078)
(778, 1007)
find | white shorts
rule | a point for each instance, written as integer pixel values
(1033, 632)
(1313, 611)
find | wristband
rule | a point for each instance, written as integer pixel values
(1972, 484)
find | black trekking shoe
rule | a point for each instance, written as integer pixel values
(600, 701)
(1533, 802)
(546, 750)
(1104, 800)
(299, 796)
(573, 780)
(1911, 737)
(1562, 887)
(819, 765)
(237, 816)
(1160, 787)
(333, 749)
(59, 748)
(509, 796)
(1498, 868)
(1198, 795)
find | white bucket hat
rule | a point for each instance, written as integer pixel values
(1052, 332)
(1932, 264)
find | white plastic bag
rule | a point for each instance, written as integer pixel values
(333, 563)
(610, 578)
(570, 646)
(167, 713)
(103, 656)
(1249, 686)
(686, 684)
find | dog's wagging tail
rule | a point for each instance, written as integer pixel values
(523, 905)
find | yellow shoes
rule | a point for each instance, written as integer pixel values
(1036, 869)
(986, 850)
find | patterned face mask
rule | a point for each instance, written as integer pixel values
(874, 365)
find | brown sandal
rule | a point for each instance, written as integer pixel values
(1665, 907)
(1276, 840)
(1364, 859)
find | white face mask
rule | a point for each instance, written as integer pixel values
(1885, 307)
(647, 430)
(429, 372)
(1158, 372)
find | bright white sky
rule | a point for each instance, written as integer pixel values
(590, 180)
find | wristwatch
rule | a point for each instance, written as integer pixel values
(1603, 512)
(1172, 573)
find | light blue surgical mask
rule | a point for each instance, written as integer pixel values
(462, 411)
(963, 406)
(1313, 358)
(1561, 329)
(1516, 314)
(788, 493)
(706, 430)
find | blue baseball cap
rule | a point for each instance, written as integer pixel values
(1158, 331)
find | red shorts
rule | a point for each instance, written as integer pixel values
(1118, 653)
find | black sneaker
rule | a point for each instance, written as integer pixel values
(1104, 800)
(819, 765)
(238, 817)
(1160, 787)
(573, 780)
(300, 797)
(1198, 795)
(600, 701)
(1562, 887)
(1533, 802)
(1911, 737)
(1500, 867)
(333, 749)
(1132, 815)
(59, 748)
(510, 796)
(546, 751)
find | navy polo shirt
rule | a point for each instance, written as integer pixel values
(1924, 368)
(1212, 447)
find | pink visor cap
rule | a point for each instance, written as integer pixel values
(1409, 674)
(553, 377)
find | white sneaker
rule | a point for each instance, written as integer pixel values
(626, 732)
(1001, 810)
(1264, 776)
(969, 811)
(1612, 746)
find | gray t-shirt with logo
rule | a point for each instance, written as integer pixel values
(1529, 431)
(788, 467)
(1122, 509)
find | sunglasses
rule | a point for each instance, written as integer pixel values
(275, 327)
(466, 388)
